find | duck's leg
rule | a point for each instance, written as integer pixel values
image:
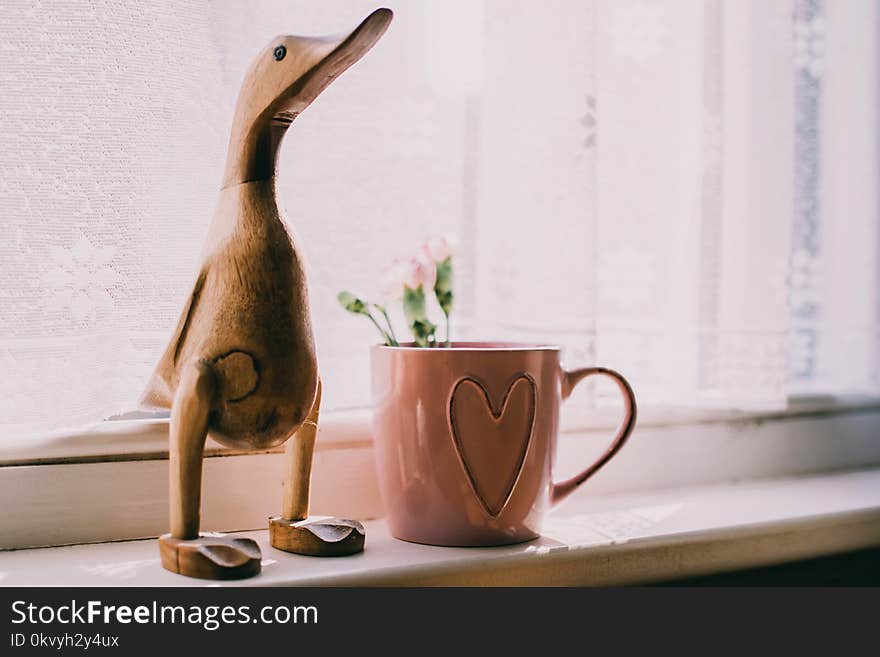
(294, 530)
(184, 551)
(298, 455)
(189, 429)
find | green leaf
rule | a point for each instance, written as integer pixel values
(352, 304)
(417, 316)
(443, 286)
(414, 304)
(422, 331)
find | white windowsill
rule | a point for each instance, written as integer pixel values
(612, 539)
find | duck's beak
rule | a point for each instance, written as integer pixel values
(315, 63)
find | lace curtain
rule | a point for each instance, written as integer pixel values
(684, 190)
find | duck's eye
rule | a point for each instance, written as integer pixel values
(279, 53)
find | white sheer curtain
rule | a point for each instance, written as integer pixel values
(684, 190)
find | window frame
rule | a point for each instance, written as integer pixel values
(59, 485)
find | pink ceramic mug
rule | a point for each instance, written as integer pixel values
(465, 439)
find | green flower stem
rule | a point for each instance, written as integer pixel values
(381, 309)
(388, 339)
(358, 306)
(443, 292)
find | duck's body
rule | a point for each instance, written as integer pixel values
(247, 317)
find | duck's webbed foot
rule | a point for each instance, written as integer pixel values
(211, 556)
(184, 551)
(317, 536)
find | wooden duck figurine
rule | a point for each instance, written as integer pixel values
(241, 364)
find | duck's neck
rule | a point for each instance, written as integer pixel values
(253, 151)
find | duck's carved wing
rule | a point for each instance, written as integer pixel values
(160, 392)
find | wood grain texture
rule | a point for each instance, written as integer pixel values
(188, 430)
(211, 557)
(295, 531)
(298, 454)
(275, 92)
(241, 363)
(318, 536)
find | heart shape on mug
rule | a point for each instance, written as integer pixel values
(492, 440)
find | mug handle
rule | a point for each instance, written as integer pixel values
(559, 491)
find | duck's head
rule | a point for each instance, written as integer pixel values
(283, 80)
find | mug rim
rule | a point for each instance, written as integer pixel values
(477, 346)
